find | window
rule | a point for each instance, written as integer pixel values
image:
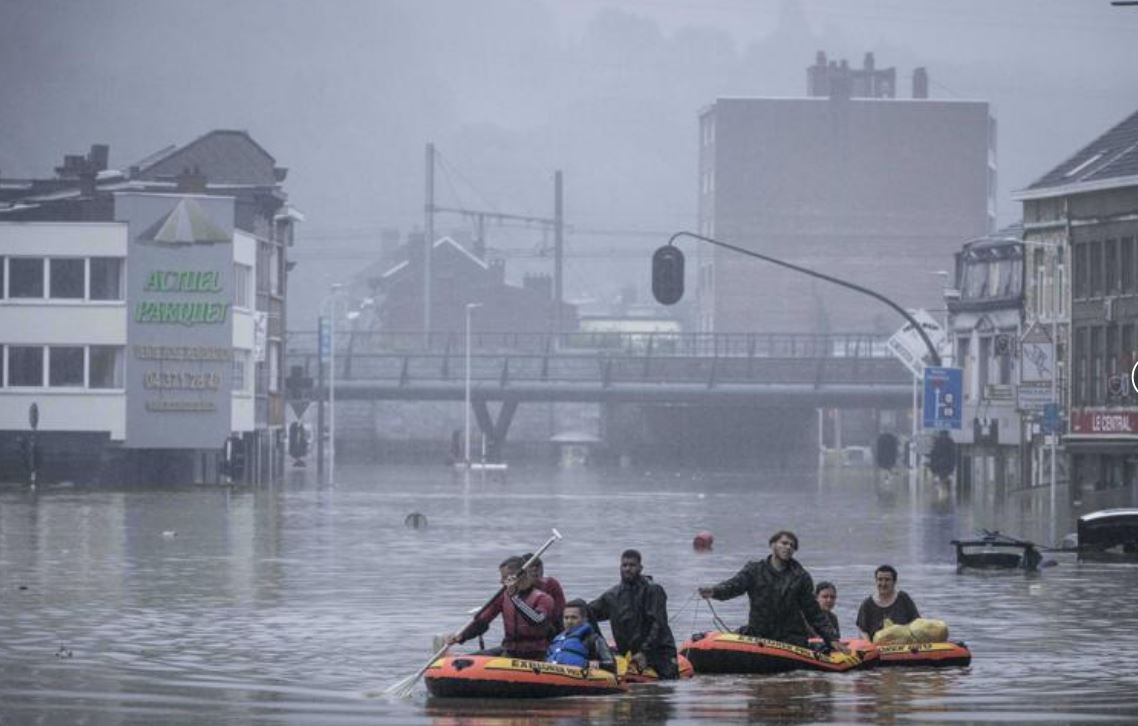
(274, 354)
(107, 278)
(105, 367)
(240, 366)
(1094, 267)
(984, 363)
(25, 277)
(1080, 272)
(1098, 375)
(1038, 279)
(1110, 272)
(3, 287)
(68, 278)
(1082, 356)
(242, 286)
(25, 365)
(1126, 265)
(65, 366)
(963, 344)
(274, 270)
(1005, 362)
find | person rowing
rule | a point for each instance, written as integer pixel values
(527, 616)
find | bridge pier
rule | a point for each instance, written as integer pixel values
(494, 432)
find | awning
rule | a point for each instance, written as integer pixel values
(1096, 444)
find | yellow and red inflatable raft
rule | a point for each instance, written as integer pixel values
(719, 652)
(937, 655)
(482, 676)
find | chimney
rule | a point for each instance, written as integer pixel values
(920, 83)
(868, 63)
(498, 272)
(98, 156)
(816, 77)
(841, 85)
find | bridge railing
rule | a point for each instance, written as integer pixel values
(660, 344)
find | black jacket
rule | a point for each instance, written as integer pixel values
(639, 616)
(782, 602)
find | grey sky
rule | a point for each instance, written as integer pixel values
(346, 93)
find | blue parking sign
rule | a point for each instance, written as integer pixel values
(944, 393)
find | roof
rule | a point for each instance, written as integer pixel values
(1110, 161)
(187, 223)
(224, 156)
(439, 243)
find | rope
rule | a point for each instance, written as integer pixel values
(687, 603)
(715, 616)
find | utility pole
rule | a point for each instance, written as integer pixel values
(429, 242)
(558, 249)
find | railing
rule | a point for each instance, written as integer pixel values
(657, 344)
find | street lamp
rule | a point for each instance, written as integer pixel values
(466, 426)
(332, 296)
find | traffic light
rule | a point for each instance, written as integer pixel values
(885, 451)
(942, 458)
(668, 275)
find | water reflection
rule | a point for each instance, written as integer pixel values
(283, 605)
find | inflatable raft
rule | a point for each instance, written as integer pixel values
(481, 676)
(719, 652)
(918, 654)
(633, 674)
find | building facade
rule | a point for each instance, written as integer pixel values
(1083, 216)
(985, 323)
(868, 189)
(143, 313)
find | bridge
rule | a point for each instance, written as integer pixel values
(832, 371)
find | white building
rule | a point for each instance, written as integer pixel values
(108, 328)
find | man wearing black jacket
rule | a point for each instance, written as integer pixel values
(638, 611)
(782, 596)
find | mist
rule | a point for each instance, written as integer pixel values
(346, 94)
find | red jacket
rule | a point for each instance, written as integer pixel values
(552, 587)
(526, 617)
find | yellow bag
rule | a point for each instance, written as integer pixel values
(928, 630)
(891, 633)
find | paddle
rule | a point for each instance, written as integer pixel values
(402, 688)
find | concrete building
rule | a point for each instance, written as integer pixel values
(1083, 216)
(875, 190)
(142, 311)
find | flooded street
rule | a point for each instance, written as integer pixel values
(285, 605)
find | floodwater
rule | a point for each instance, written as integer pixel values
(285, 605)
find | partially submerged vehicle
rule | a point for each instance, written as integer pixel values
(995, 551)
(1109, 534)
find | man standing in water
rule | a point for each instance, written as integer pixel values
(888, 603)
(782, 596)
(638, 609)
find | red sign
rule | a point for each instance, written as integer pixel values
(1105, 423)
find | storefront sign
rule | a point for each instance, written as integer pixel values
(1106, 423)
(180, 331)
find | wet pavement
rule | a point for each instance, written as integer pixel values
(285, 605)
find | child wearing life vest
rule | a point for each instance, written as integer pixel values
(580, 644)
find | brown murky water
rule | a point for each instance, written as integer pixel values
(285, 605)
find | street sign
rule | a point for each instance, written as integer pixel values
(909, 347)
(1051, 423)
(325, 340)
(944, 388)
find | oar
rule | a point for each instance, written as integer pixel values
(403, 687)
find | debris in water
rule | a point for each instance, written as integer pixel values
(415, 520)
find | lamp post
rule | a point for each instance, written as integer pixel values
(332, 296)
(466, 426)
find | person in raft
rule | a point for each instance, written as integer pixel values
(580, 644)
(549, 585)
(781, 592)
(527, 616)
(827, 596)
(888, 603)
(638, 611)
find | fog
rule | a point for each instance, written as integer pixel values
(346, 94)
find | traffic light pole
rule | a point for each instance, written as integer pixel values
(933, 354)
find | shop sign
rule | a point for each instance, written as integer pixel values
(179, 372)
(1105, 423)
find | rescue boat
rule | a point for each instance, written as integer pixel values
(937, 655)
(631, 673)
(719, 652)
(481, 676)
